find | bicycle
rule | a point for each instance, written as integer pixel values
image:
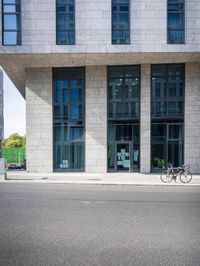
(173, 172)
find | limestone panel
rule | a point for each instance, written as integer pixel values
(39, 120)
(96, 119)
(145, 120)
(192, 117)
(148, 28)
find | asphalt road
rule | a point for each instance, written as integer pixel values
(43, 224)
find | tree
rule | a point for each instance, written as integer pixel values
(15, 141)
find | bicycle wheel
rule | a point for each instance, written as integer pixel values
(166, 176)
(186, 177)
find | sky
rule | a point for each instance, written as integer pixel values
(14, 109)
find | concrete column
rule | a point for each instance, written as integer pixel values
(39, 120)
(145, 120)
(1, 112)
(96, 119)
(192, 116)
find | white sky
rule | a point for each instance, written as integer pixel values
(14, 109)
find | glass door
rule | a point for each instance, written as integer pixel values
(123, 156)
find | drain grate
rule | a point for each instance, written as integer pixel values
(93, 179)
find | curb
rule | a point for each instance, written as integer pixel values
(72, 182)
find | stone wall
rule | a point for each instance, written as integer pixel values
(145, 120)
(96, 119)
(1, 107)
(148, 27)
(39, 120)
(192, 116)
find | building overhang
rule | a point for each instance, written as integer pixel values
(15, 65)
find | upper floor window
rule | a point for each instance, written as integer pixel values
(168, 91)
(120, 22)
(11, 14)
(65, 22)
(176, 22)
(123, 92)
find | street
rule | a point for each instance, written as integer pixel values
(58, 224)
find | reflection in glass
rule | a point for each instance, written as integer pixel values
(167, 90)
(167, 145)
(176, 22)
(11, 23)
(68, 120)
(75, 111)
(120, 22)
(121, 136)
(65, 22)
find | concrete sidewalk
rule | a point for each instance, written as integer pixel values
(101, 178)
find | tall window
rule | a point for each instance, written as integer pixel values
(167, 115)
(68, 119)
(176, 22)
(11, 15)
(120, 22)
(123, 118)
(167, 90)
(65, 22)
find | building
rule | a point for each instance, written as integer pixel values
(1, 112)
(109, 85)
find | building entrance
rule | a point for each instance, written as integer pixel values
(123, 147)
(123, 156)
(124, 118)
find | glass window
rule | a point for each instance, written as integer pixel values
(167, 90)
(176, 22)
(123, 92)
(167, 145)
(11, 14)
(68, 115)
(76, 134)
(123, 118)
(65, 22)
(123, 132)
(120, 22)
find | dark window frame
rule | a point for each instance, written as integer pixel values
(18, 31)
(166, 120)
(168, 98)
(73, 42)
(120, 12)
(133, 121)
(124, 100)
(180, 30)
(73, 73)
(166, 142)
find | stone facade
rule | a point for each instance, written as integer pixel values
(96, 119)
(1, 107)
(145, 120)
(39, 120)
(30, 66)
(192, 116)
(93, 28)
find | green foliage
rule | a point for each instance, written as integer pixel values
(15, 141)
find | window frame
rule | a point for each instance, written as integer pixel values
(183, 41)
(71, 73)
(123, 100)
(167, 141)
(166, 120)
(18, 31)
(129, 20)
(133, 121)
(66, 31)
(168, 98)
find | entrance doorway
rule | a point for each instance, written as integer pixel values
(123, 156)
(123, 147)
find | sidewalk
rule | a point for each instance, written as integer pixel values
(93, 179)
